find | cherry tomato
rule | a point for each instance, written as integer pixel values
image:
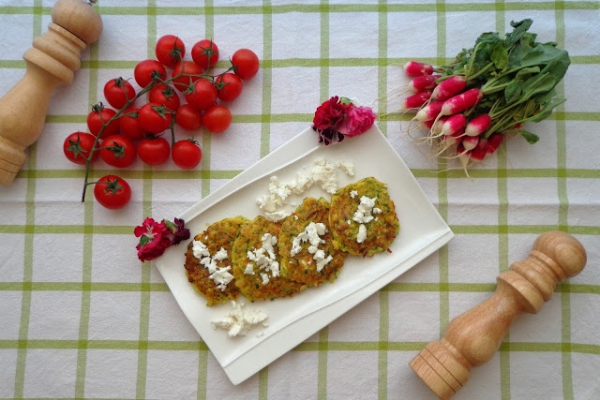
(245, 63)
(118, 151)
(154, 150)
(78, 146)
(188, 117)
(229, 86)
(100, 116)
(187, 68)
(147, 71)
(169, 50)
(155, 118)
(112, 192)
(130, 124)
(165, 95)
(118, 92)
(202, 94)
(205, 53)
(217, 119)
(186, 154)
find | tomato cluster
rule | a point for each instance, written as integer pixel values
(176, 91)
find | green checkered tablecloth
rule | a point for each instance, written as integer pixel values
(81, 317)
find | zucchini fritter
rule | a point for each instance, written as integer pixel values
(209, 268)
(306, 247)
(363, 218)
(256, 262)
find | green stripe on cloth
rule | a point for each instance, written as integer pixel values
(332, 346)
(204, 182)
(561, 129)
(265, 136)
(84, 316)
(442, 191)
(382, 90)
(28, 247)
(324, 53)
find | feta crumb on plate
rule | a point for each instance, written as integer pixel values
(239, 321)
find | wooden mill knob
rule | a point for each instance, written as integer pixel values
(50, 63)
(473, 338)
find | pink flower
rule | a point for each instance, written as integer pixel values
(338, 117)
(154, 239)
(358, 120)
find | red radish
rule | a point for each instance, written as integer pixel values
(478, 125)
(453, 124)
(450, 87)
(461, 102)
(437, 126)
(464, 156)
(430, 111)
(480, 151)
(494, 141)
(450, 140)
(470, 142)
(415, 68)
(416, 100)
(428, 124)
(421, 83)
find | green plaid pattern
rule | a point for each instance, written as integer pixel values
(80, 317)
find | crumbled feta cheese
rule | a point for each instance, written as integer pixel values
(302, 183)
(277, 215)
(265, 258)
(220, 255)
(347, 167)
(220, 275)
(199, 249)
(312, 234)
(323, 173)
(362, 233)
(238, 322)
(364, 215)
(353, 194)
(321, 260)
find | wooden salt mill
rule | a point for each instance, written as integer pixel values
(50, 63)
(473, 338)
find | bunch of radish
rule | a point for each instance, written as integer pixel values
(486, 94)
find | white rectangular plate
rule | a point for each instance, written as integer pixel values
(293, 320)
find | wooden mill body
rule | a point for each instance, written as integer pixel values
(50, 63)
(473, 338)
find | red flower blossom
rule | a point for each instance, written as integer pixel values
(338, 117)
(330, 114)
(154, 239)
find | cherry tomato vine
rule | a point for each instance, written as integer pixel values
(179, 92)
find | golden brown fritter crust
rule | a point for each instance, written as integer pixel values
(220, 234)
(380, 231)
(301, 266)
(254, 286)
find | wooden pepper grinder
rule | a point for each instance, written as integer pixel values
(50, 63)
(473, 338)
